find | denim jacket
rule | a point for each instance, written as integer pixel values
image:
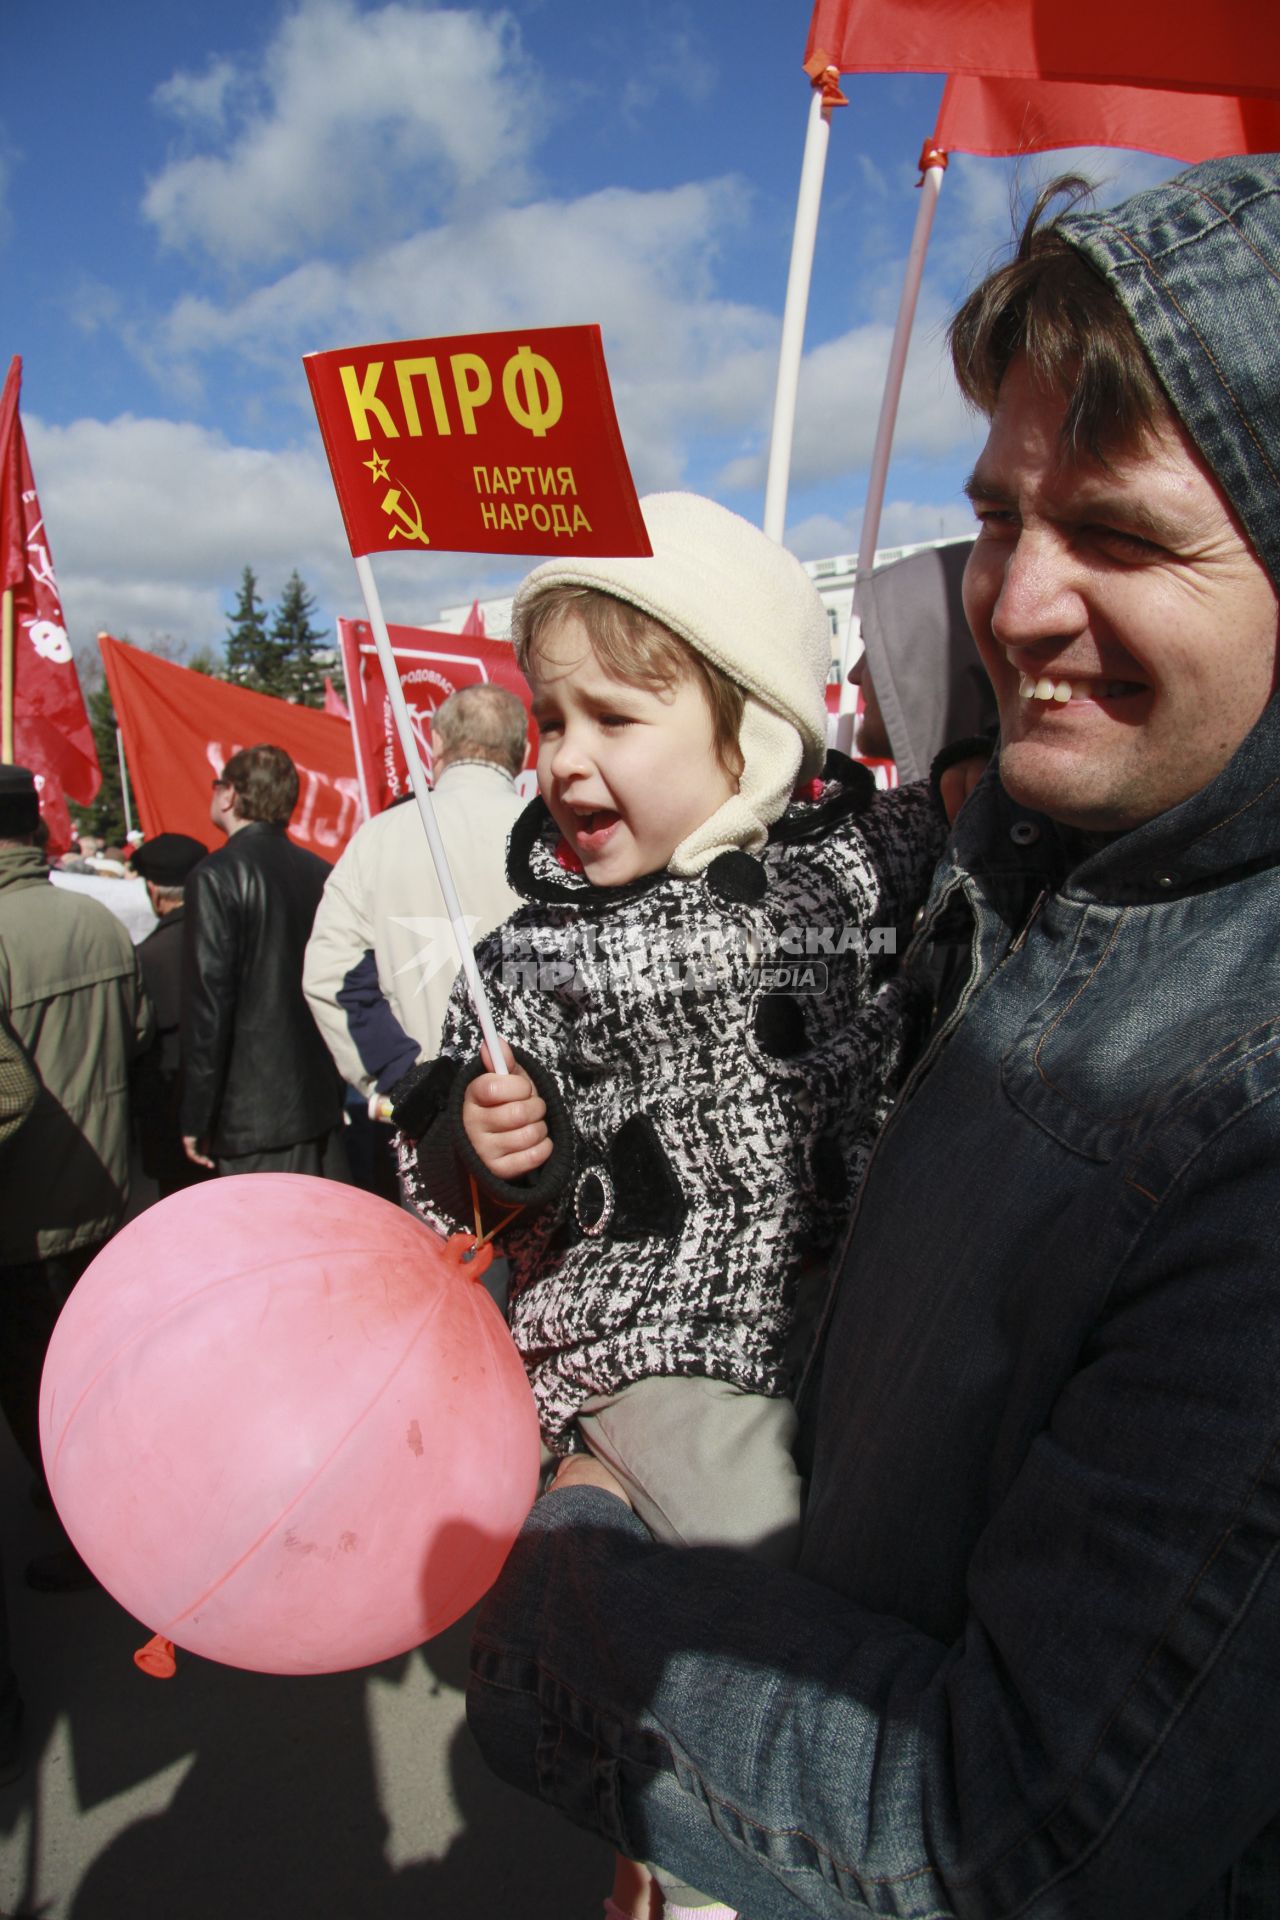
(1031, 1661)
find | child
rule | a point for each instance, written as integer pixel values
(706, 1029)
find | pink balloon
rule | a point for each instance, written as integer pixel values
(284, 1427)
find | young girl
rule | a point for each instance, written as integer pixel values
(706, 1030)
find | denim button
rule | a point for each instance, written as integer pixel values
(1165, 879)
(1024, 833)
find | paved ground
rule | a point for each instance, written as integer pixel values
(222, 1795)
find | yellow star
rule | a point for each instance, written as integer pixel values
(377, 467)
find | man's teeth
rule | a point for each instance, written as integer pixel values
(1062, 690)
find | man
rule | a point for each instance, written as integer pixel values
(1030, 1661)
(71, 997)
(382, 959)
(164, 863)
(259, 1090)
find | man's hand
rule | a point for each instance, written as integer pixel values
(504, 1118)
(584, 1470)
(191, 1147)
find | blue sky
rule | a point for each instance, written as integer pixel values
(193, 196)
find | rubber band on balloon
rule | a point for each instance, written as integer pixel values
(825, 75)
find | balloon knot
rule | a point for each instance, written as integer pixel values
(156, 1658)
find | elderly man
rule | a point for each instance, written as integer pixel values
(1030, 1661)
(382, 959)
(259, 1091)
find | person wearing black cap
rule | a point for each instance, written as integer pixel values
(71, 995)
(164, 862)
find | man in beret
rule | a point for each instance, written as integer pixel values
(164, 862)
(71, 995)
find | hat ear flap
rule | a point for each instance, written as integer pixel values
(773, 758)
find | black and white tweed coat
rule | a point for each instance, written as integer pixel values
(711, 1112)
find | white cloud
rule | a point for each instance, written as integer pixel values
(681, 360)
(152, 522)
(902, 523)
(358, 122)
(201, 101)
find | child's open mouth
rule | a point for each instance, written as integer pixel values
(591, 830)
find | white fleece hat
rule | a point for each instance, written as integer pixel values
(748, 607)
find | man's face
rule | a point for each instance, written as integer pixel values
(872, 740)
(1129, 631)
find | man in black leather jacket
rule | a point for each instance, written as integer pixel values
(260, 1092)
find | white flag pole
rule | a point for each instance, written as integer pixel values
(422, 794)
(803, 243)
(934, 163)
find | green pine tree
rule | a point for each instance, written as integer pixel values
(104, 815)
(252, 658)
(303, 664)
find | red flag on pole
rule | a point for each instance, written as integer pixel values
(1179, 44)
(474, 622)
(989, 116)
(334, 702)
(46, 727)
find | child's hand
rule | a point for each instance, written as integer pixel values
(504, 1118)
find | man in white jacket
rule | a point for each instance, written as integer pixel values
(381, 958)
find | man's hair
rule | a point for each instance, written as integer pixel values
(1049, 304)
(481, 723)
(636, 648)
(265, 781)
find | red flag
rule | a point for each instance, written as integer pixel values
(180, 728)
(431, 667)
(51, 732)
(474, 622)
(1180, 44)
(480, 443)
(334, 702)
(981, 115)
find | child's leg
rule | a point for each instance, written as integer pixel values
(705, 1464)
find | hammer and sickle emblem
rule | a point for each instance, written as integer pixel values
(409, 520)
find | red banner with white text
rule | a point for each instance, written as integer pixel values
(180, 728)
(431, 666)
(43, 701)
(1179, 44)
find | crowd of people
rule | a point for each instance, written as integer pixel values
(902, 1323)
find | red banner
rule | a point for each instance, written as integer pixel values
(51, 732)
(180, 728)
(482, 443)
(982, 115)
(432, 666)
(1180, 44)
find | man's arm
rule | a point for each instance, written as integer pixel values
(370, 1048)
(1101, 1739)
(18, 1084)
(210, 982)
